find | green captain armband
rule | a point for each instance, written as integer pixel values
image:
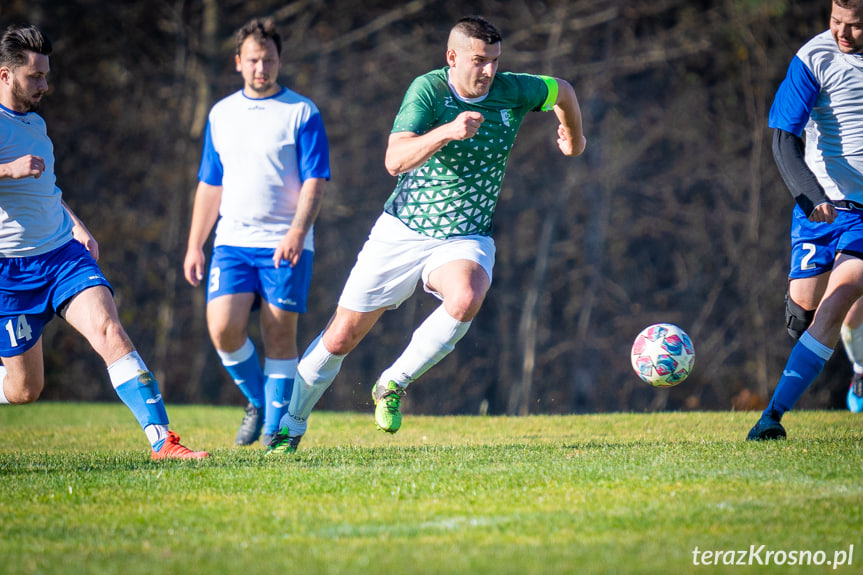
(551, 83)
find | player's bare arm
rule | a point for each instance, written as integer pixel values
(24, 167)
(571, 140)
(204, 215)
(408, 150)
(290, 247)
(82, 234)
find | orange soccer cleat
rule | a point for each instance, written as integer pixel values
(172, 449)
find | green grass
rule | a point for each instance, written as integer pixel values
(615, 493)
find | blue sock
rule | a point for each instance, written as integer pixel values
(280, 382)
(138, 389)
(245, 369)
(806, 361)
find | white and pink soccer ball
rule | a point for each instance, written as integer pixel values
(662, 355)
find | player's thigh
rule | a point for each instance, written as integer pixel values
(384, 276)
(25, 375)
(807, 292)
(844, 288)
(93, 313)
(814, 245)
(462, 284)
(232, 271)
(228, 319)
(279, 331)
(285, 287)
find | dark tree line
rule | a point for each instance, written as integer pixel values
(675, 213)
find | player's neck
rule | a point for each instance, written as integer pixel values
(11, 105)
(253, 94)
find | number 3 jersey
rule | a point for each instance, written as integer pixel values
(456, 191)
(261, 151)
(33, 220)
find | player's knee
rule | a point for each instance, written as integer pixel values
(797, 319)
(464, 305)
(28, 395)
(23, 390)
(115, 335)
(341, 339)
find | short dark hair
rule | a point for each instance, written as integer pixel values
(261, 30)
(479, 28)
(849, 4)
(18, 40)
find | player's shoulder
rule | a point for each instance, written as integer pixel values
(517, 84)
(11, 118)
(432, 80)
(518, 80)
(819, 50)
(228, 102)
(14, 125)
(232, 97)
(292, 98)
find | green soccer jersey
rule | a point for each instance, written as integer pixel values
(455, 192)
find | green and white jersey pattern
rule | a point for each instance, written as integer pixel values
(456, 191)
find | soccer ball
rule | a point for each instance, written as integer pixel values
(662, 355)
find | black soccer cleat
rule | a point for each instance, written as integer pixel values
(250, 428)
(768, 427)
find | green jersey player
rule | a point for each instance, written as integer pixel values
(449, 147)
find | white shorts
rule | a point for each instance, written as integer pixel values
(395, 258)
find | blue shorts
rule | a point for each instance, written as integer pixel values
(34, 288)
(236, 270)
(814, 245)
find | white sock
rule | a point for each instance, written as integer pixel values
(156, 434)
(3, 400)
(852, 341)
(432, 341)
(238, 356)
(285, 368)
(127, 367)
(315, 372)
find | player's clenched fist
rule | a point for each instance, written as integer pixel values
(23, 167)
(467, 124)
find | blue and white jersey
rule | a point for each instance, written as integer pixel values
(33, 220)
(822, 94)
(261, 151)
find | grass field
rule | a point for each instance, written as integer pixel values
(616, 493)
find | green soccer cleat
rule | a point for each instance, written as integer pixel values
(387, 404)
(283, 443)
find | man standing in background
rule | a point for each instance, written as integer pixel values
(262, 175)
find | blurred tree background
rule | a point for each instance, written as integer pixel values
(675, 213)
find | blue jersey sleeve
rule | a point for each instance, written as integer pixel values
(313, 150)
(794, 99)
(211, 170)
